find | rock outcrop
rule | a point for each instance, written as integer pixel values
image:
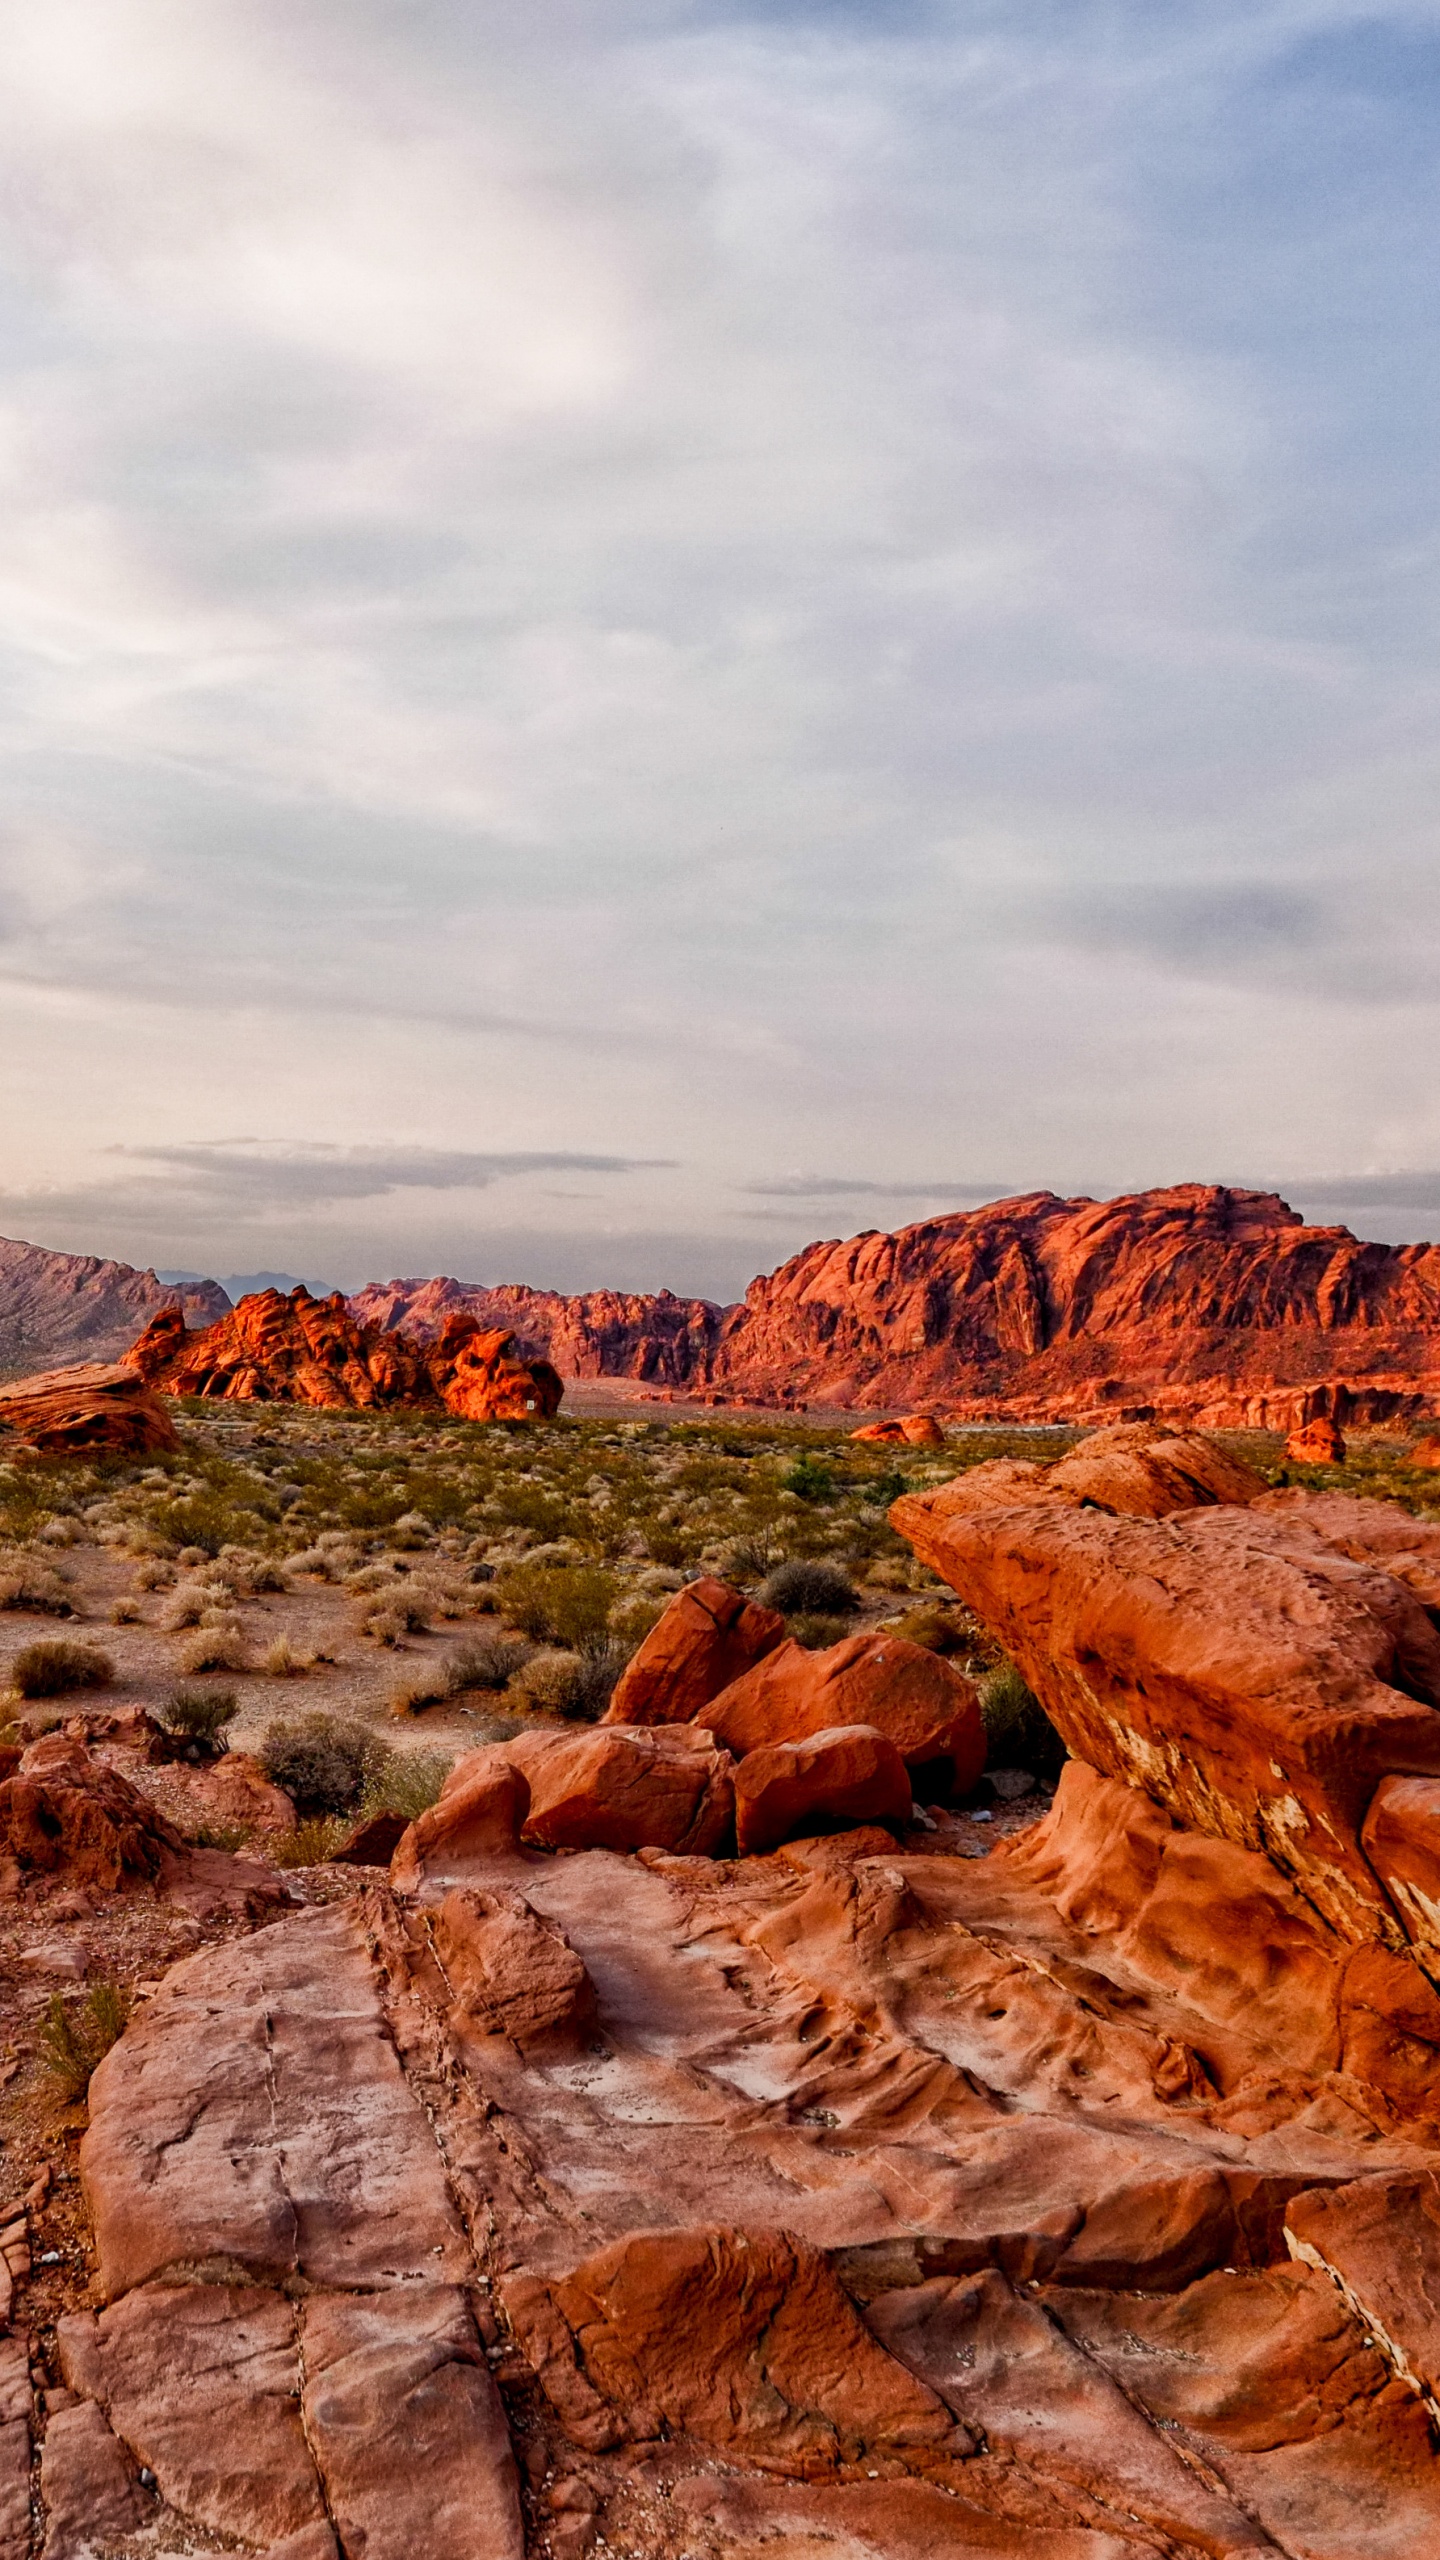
(60, 1308)
(1080, 2201)
(67, 1412)
(1231, 1663)
(65, 1816)
(1198, 1303)
(706, 1638)
(920, 1702)
(305, 1350)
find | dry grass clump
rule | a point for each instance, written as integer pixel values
(76, 2036)
(486, 1662)
(938, 1630)
(283, 1661)
(218, 1648)
(399, 1611)
(310, 1843)
(126, 1612)
(27, 1583)
(55, 1665)
(153, 1574)
(817, 1631)
(578, 1686)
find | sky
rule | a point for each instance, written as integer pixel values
(633, 633)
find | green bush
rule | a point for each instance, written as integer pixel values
(54, 1666)
(324, 1763)
(76, 2036)
(561, 1604)
(809, 1479)
(808, 1587)
(198, 1718)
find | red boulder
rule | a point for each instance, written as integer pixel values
(830, 1781)
(626, 1787)
(707, 1637)
(1320, 1443)
(904, 1430)
(63, 1411)
(925, 1707)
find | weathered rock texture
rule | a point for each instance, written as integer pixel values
(64, 1411)
(1245, 1673)
(304, 1350)
(64, 1307)
(1076, 2202)
(1199, 1303)
(706, 1638)
(64, 1815)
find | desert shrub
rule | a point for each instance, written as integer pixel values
(76, 2036)
(560, 1604)
(419, 1690)
(808, 1479)
(220, 1648)
(310, 1843)
(577, 1686)
(631, 1620)
(817, 1631)
(410, 1782)
(198, 1718)
(55, 1665)
(487, 1661)
(280, 1660)
(1018, 1732)
(124, 1612)
(399, 1611)
(937, 1629)
(808, 1587)
(750, 1557)
(153, 1574)
(246, 1571)
(29, 1585)
(324, 1763)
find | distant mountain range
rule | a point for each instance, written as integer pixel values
(1195, 1303)
(59, 1307)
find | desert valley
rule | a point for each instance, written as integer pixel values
(808, 1929)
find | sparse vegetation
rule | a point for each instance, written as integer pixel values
(578, 1686)
(198, 1719)
(28, 1584)
(808, 1587)
(560, 1604)
(1017, 1729)
(218, 1648)
(324, 1763)
(55, 1665)
(76, 2035)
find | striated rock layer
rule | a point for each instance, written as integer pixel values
(62, 1307)
(305, 1350)
(1198, 1303)
(63, 1411)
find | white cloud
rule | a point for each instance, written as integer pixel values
(756, 587)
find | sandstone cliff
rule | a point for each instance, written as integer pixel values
(56, 1308)
(604, 1333)
(1197, 1303)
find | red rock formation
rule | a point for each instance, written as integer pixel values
(65, 1816)
(1320, 1443)
(65, 1307)
(665, 1341)
(1246, 1674)
(1197, 1303)
(828, 1781)
(706, 1638)
(908, 1430)
(923, 1705)
(624, 1787)
(1200, 1303)
(66, 1411)
(304, 1350)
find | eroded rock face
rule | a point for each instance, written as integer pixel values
(64, 1814)
(829, 1781)
(1231, 1663)
(63, 1412)
(299, 1349)
(920, 1702)
(904, 1430)
(706, 1637)
(1320, 1443)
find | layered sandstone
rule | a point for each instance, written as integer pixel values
(59, 1308)
(601, 1333)
(298, 1349)
(63, 1412)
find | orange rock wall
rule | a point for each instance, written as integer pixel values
(304, 1350)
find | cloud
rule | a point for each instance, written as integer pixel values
(719, 587)
(800, 1186)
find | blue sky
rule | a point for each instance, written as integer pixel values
(631, 634)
